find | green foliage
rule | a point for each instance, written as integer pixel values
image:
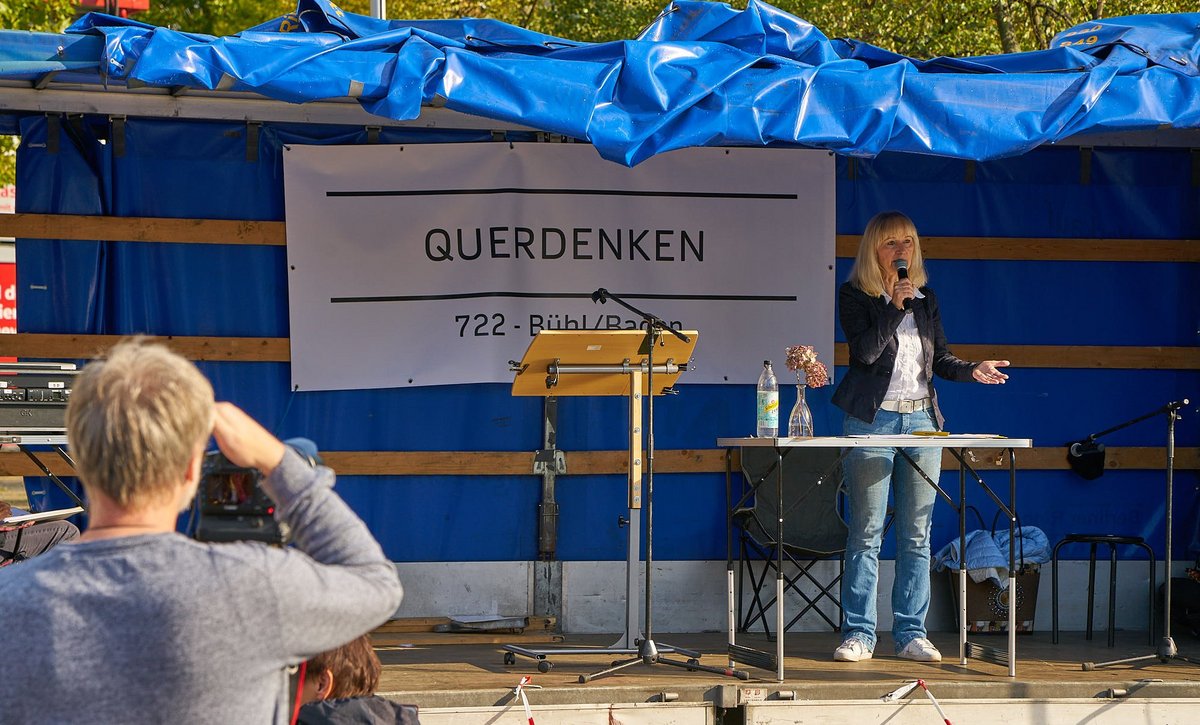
(918, 28)
(46, 15)
(583, 20)
(925, 29)
(214, 17)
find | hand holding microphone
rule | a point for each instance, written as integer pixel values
(903, 292)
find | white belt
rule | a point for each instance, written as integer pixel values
(905, 406)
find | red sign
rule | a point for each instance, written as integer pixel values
(115, 7)
(8, 301)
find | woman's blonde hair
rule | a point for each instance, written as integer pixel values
(135, 420)
(866, 273)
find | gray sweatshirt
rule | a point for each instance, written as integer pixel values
(159, 628)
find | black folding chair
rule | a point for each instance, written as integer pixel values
(813, 532)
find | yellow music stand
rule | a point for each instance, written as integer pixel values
(597, 362)
(606, 362)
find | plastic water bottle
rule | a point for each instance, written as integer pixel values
(768, 403)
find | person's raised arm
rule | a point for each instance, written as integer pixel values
(352, 586)
(244, 442)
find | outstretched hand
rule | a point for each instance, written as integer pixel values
(986, 372)
(244, 442)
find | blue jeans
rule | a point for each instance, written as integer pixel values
(869, 474)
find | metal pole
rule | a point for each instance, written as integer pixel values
(779, 623)
(1013, 563)
(962, 564)
(378, 9)
(651, 335)
(1168, 643)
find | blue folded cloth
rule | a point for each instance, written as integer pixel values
(982, 553)
(1032, 546)
(987, 553)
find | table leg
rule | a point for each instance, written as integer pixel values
(779, 619)
(1012, 571)
(962, 565)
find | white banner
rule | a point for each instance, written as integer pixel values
(435, 264)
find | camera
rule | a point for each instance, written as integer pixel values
(232, 505)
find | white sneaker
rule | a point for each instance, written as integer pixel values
(920, 650)
(852, 649)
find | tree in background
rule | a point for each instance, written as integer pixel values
(918, 28)
(924, 29)
(214, 17)
(51, 16)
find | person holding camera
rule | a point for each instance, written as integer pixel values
(134, 622)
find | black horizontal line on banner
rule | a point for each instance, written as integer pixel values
(563, 296)
(566, 192)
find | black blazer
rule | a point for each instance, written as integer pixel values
(869, 324)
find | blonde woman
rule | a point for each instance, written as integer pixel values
(893, 327)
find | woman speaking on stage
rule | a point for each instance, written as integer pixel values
(893, 328)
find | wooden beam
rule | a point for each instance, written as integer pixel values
(273, 233)
(1129, 458)
(142, 229)
(479, 463)
(46, 346)
(430, 463)
(1110, 357)
(504, 463)
(1046, 249)
(667, 461)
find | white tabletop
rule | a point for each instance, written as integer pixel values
(951, 440)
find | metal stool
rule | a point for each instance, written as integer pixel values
(1113, 541)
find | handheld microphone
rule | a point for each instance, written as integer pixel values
(600, 295)
(901, 266)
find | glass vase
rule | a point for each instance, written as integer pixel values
(800, 422)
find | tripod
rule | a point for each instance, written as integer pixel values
(1167, 651)
(647, 652)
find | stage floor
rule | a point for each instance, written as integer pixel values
(452, 675)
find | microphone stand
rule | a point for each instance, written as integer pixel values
(647, 650)
(1167, 651)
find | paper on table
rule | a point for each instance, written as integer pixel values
(926, 434)
(977, 435)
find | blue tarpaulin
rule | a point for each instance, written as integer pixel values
(702, 74)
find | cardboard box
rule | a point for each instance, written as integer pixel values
(987, 603)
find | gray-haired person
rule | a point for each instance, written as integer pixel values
(134, 622)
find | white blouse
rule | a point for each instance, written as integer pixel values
(908, 374)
